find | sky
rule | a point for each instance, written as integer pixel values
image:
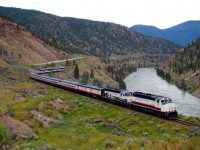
(159, 13)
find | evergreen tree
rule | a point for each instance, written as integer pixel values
(74, 62)
(116, 77)
(85, 77)
(183, 85)
(122, 85)
(76, 72)
(67, 63)
(168, 77)
(92, 74)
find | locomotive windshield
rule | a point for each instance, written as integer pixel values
(166, 100)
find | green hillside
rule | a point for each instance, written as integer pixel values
(86, 36)
(45, 117)
(184, 68)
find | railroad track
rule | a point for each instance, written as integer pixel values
(179, 121)
(187, 123)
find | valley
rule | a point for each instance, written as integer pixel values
(47, 116)
(104, 39)
(34, 115)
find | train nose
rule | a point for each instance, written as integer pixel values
(170, 109)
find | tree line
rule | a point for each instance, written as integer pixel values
(187, 60)
(163, 74)
(115, 70)
(119, 72)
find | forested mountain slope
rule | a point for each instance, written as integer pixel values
(184, 68)
(86, 36)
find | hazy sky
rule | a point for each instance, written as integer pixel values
(160, 13)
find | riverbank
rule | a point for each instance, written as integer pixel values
(184, 68)
(40, 116)
(146, 80)
(197, 93)
(189, 82)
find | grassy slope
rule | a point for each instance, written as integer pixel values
(99, 66)
(79, 125)
(91, 125)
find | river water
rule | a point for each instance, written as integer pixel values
(146, 80)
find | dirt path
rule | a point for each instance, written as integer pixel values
(58, 61)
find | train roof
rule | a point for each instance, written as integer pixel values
(114, 90)
(33, 73)
(43, 69)
(51, 78)
(70, 82)
(148, 96)
(90, 86)
(81, 84)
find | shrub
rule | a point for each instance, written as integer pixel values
(163, 130)
(5, 138)
(195, 131)
(109, 143)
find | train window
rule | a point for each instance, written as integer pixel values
(162, 101)
(157, 101)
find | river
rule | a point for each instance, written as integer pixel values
(146, 80)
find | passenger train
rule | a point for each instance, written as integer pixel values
(154, 104)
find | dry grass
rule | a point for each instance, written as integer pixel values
(24, 48)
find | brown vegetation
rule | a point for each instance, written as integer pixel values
(18, 46)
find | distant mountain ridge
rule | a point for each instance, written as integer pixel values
(86, 36)
(181, 34)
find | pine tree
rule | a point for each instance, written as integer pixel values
(168, 77)
(122, 84)
(67, 63)
(74, 62)
(183, 85)
(76, 72)
(92, 74)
